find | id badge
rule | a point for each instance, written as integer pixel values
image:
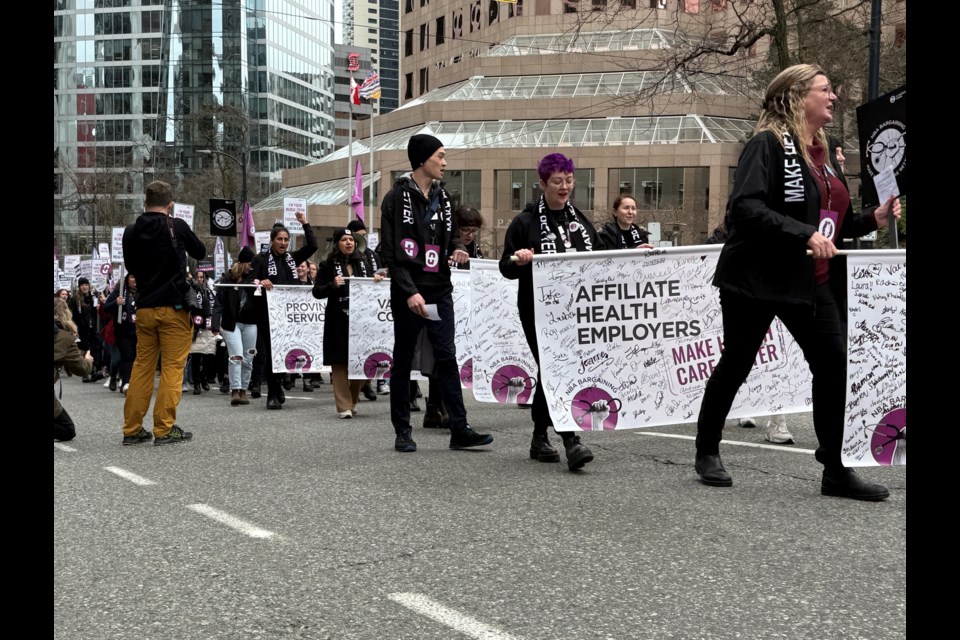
(828, 224)
(431, 258)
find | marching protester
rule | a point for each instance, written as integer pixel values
(63, 294)
(418, 241)
(359, 230)
(622, 232)
(787, 198)
(206, 328)
(84, 316)
(306, 271)
(122, 306)
(333, 284)
(66, 355)
(551, 225)
(469, 221)
(277, 267)
(238, 325)
(154, 250)
(108, 345)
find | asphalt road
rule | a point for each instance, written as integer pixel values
(294, 524)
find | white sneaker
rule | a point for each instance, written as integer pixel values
(383, 389)
(777, 432)
(124, 388)
(748, 423)
(355, 411)
(106, 385)
(345, 415)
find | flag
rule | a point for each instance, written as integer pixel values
(354, 91)
(370, 89)
(356, 202)
(247, 230)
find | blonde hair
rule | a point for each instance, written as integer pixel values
(62, 314)
(783, 108)
(236, 271)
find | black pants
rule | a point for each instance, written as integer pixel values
(539, 412)
(406, 331)
(63, 428)
(259, 358)
(816, 330)
(202, 367)
(273, 380)
(128, 353)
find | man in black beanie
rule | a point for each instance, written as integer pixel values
(418, 242)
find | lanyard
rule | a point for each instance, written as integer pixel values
(821, 173)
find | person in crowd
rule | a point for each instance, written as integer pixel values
(84, 315)
(776, 430)
(108, 345)
(787, 199)
(277, 267)
(418, 240)
(206, 328)
(622, 232)
(359, 230)
(121, 304)
(333, 284)
(551, 225)
(304, 270)
(469, 221)
(63, 294)
(238, 325)
(66, 355)
(313, 270)
(154, 250)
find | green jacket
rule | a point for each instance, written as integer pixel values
(66, 355)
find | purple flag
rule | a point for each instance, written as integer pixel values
(356, 202)
(247, 230)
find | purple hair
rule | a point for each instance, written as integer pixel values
(552, 163)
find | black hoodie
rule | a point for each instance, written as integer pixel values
(149, 255)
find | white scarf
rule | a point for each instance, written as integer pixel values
(272, 265)
(548, 239)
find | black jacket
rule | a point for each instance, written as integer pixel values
(774, 209)
(122, 325)
(336, 319)
(614, 238)
(261, 263)
(524, 233)
(402, 223)
(149, 255)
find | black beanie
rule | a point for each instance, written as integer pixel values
(420, 148)
(82, 281)
(339, 233)
(357, 225)
(245, 255)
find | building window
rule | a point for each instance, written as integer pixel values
(570, 6)
(690, 6)
(658, 4)
(423, 37)
(628, 4)
(407, 6)
(424, 80)
(598, 5)
(440, 29)
(408, 42)
(408, 83)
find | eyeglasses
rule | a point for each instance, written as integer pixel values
(469, 231)
(559, 182)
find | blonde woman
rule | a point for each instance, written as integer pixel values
(787, 198)
(68, 356)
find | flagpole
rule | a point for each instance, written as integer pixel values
(371, 213)
(350, 149)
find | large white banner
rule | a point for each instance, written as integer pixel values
(875, 432)
(370, 349)
(504, 370)
(463, 338)
(296, 329)
(628, 339)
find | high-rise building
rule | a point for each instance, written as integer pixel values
(375, 25)
(141, 85)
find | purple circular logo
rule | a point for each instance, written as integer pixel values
(889, 441)
(298, 360)
(378, 366)
(466, 374)
(512, 385)
(594, 409)
(410, 247)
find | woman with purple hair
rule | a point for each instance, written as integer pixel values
(551, 225)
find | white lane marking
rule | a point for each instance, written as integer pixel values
(454, 619)
(775, 447)
(236, 523)
(62, 447)
(132, 477)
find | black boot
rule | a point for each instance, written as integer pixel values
(273, 403)
(542, 450)
(113, 383)
(711, 471)
(844, 483)
(577, 453)
(433, 419)
(368, 392)
(307, 385)
(196, 390)
(254, 390)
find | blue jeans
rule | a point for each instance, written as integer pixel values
(441, 333)
(241, 347)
